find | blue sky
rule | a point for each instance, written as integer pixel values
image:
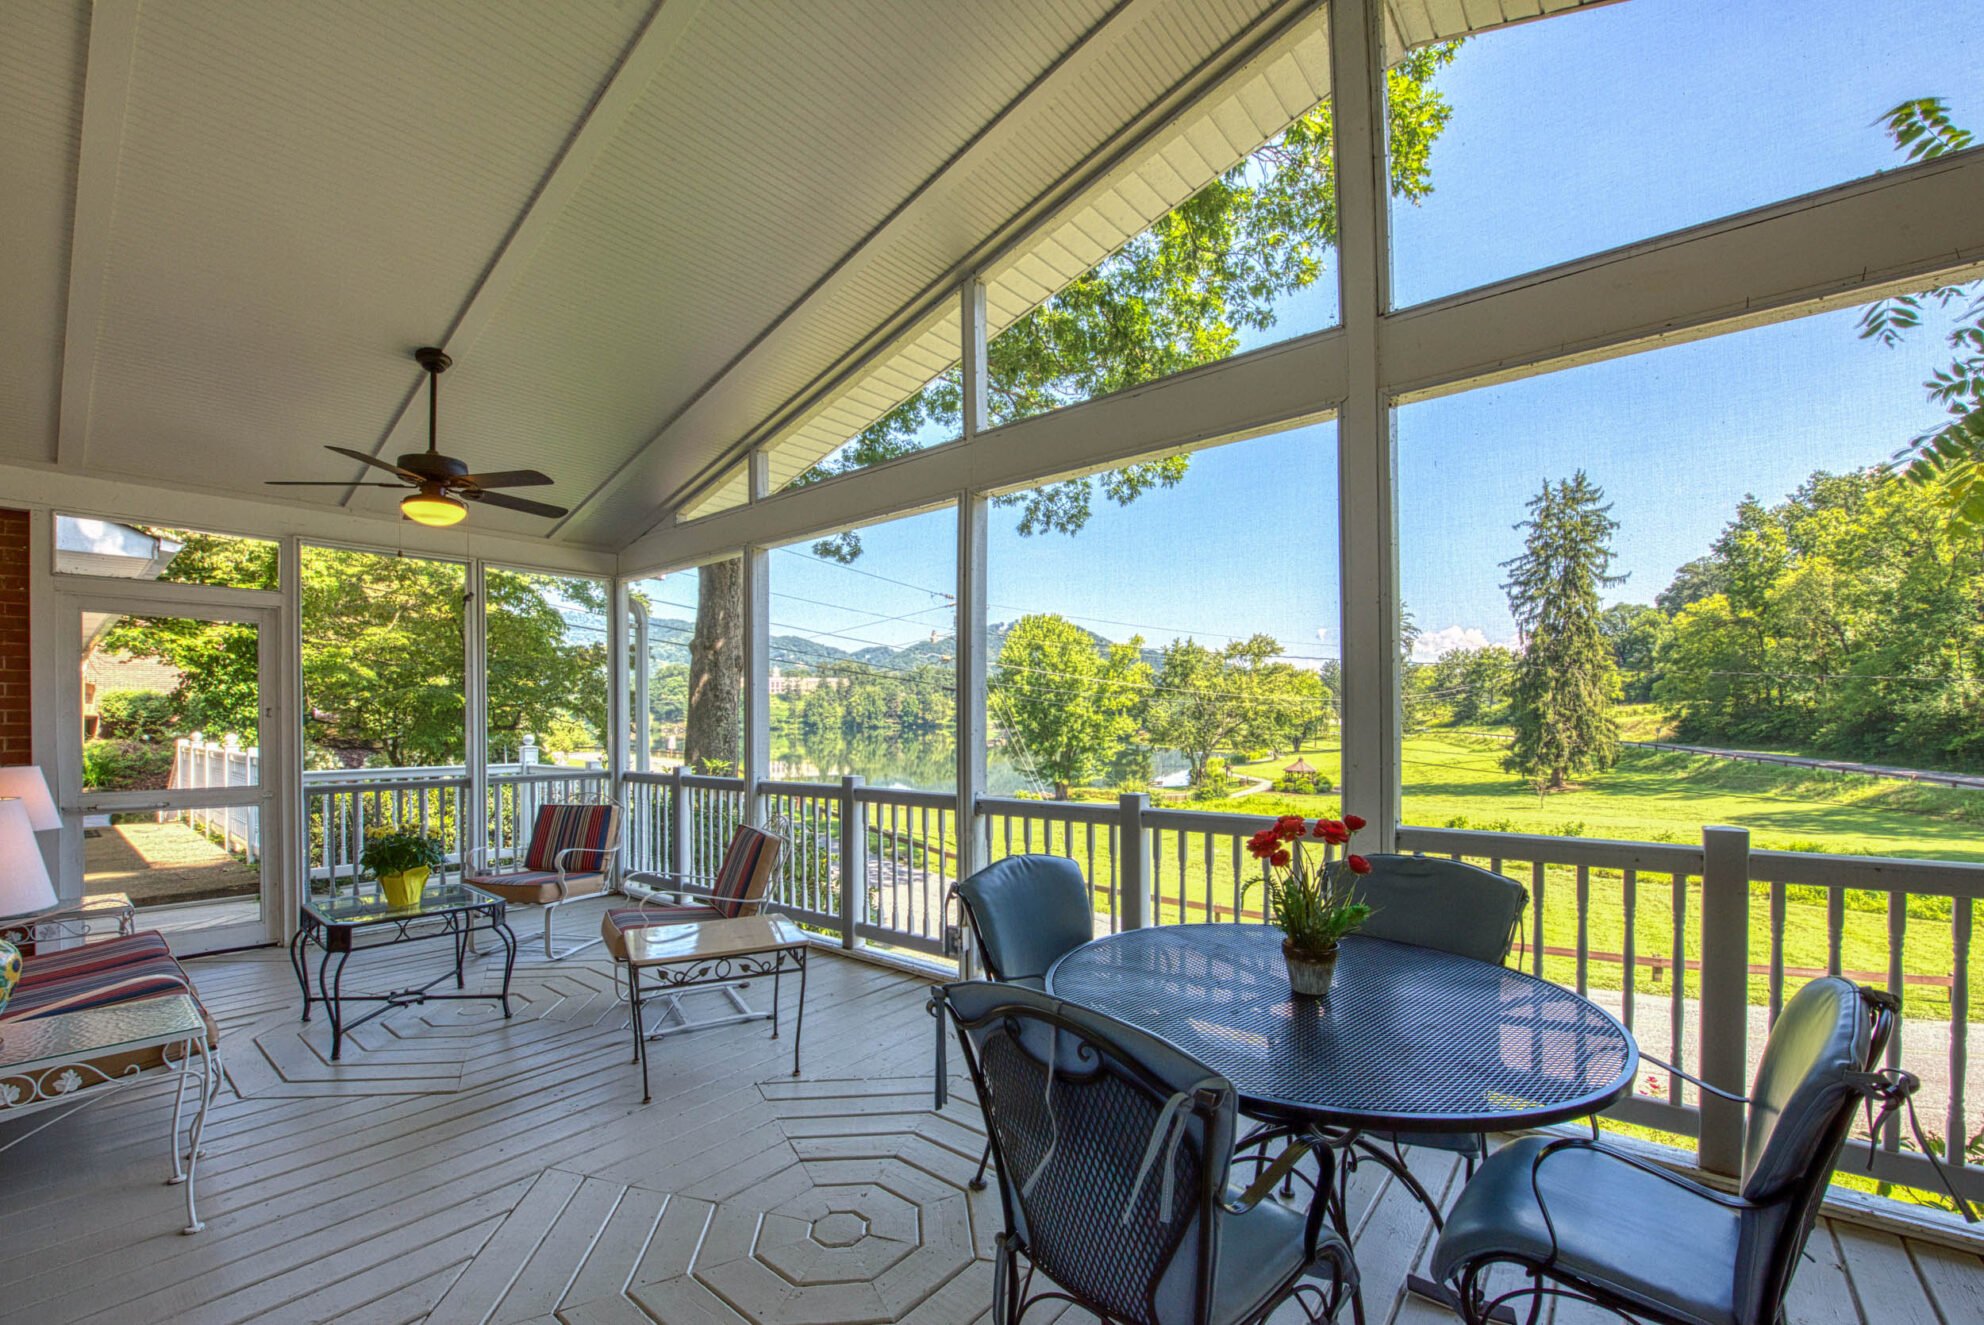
(1569, 136)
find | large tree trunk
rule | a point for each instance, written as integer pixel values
(716, 670)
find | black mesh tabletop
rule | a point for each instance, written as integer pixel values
(1409, 1039)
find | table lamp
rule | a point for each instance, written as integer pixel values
(24, 882)
(25, 782)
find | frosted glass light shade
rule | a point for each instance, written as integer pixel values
(24, 883)
(25, 782)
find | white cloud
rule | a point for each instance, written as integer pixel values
(1435, 644)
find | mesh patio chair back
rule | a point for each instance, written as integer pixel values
(1802, 1104)
(1028, 912)
(1433, 902)
(1102, 1134)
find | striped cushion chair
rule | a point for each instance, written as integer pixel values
(737, 889)
(570, 857)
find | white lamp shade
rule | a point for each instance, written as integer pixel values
(24, 885)
(25, 783)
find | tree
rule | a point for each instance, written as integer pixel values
(1560, 701)
(715, 739)
(1067, 700)
(1473, 684)
(382, 661)
(1948, 459)
(1635, 632)
(1206, 700)
(1173, 297)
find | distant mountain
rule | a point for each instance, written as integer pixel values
(669, 643)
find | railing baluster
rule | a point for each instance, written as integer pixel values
(1777, 903)
(1956, 1125)
(1835, 926)
(1629, 903)
(1584, 929)
(1677, 1009)
(1898, 985)
(1536, 899)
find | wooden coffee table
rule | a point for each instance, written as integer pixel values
(667, 961)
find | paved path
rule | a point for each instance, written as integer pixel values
(1967, 781)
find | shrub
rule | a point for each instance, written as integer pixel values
(135, 715)
(1305, 784)
(126, 766)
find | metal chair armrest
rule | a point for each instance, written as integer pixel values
(471, 856)
(1691, 1077)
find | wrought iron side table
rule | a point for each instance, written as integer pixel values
(98, 913)
(337, 925)
(76, 1058)
(667, 961)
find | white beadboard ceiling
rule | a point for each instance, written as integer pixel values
(645, 230)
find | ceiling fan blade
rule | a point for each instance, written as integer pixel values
(324, 483)
(507, 478)
(375, 462)
(514, 503)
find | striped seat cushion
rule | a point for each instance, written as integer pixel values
(119, 969)
(537, 887)
(621, 921)
(745, 870)
(594, 829)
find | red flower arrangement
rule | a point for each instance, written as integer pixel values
(1313, 905)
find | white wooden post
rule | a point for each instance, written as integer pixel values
(680, 824)
(1725, 993)
(1132, 862)
(853, 862)
(1367, 534)
(472, 827)
(757, 677)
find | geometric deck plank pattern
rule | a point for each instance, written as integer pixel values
(457, 1167)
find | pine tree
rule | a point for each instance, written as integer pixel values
(1565, 679)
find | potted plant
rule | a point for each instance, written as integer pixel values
(1311, 903)
(401, 858)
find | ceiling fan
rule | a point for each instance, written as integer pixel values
(442, 484)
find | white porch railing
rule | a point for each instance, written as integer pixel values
(342, 805)
(1623, 922)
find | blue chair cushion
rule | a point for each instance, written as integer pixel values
(1642, 1237)
(1029, 911)
(1438, 903)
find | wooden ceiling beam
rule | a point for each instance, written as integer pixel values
(106, 95)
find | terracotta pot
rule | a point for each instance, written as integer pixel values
(1309, 973)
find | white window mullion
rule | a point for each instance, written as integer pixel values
(1368, 562)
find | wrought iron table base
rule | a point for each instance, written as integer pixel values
(725, 974)
(459, 926)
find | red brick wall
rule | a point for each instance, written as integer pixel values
(16, 740)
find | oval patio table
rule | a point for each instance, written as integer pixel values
(1408, 1039)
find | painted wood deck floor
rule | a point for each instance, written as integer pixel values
(457, 1168)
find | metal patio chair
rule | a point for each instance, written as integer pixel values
(1432, 902)
(1586, 1221)
(1114, 1153)
(574, 846)
(1026, 912)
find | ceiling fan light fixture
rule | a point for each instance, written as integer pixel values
(434, 509)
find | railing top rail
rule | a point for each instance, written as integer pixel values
(1217, 822)
(709, 782)
(393, 784)
(649, 779)
(1604, 853)
(1888, 874)
(797, 787)
(330, 777)
(1062, 811)
(929, 800)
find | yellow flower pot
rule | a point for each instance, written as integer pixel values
(403, 889)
